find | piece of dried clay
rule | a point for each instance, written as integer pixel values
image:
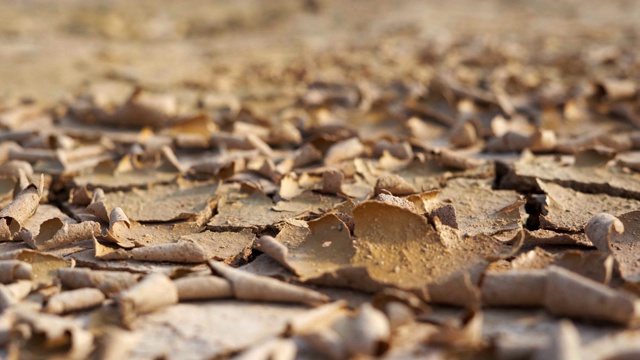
(449, 159)
(332, 181)
(203, 288)
(601, 228)
(54, 233)
(514, 288)
(543, 141)
(98, 205)
(316, 319)
(14, 270)
(464, 134)
(247, 286)
(53, 335)
(13, 293)
(618, 236)
(394, 184)
(369, 332)
(119, 229)
(109, 282)
(616, 89)
(74, 300)
(344, 150)
(569, 294)
(14, 215)
(154, 292)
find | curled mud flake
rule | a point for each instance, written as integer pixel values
(616, 89)
(43, 265)
(80, 196)
(260, 145)
(332, 180)
(618, 236)
(344, 150)
(169, 162)
(306, 155)
(247, 286)
(203, 288)
(48, 335)
(569, 294)
(55, 233)
(543, 141)
(510, 142)
(98, 205)
(74, 300)
(119, 231)
(563, 343)
(464, 134)
(514, 288)
(388, 162)
(13, 168)
(289, 187)
(109, 251)
(14, 215)
(109, 282)
(450, 159)
(284, 133)
(401, 151)
(154, 292)
(395, 185)
(274, 249)
(317, 319)
(265, 167)
(601, 228)
(14, 270)
(369, 331)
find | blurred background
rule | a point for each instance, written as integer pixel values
(50, 49)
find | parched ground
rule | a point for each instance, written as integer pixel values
(319, 179)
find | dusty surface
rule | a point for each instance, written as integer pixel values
(319, 179)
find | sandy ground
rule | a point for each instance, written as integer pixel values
(51, 48)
